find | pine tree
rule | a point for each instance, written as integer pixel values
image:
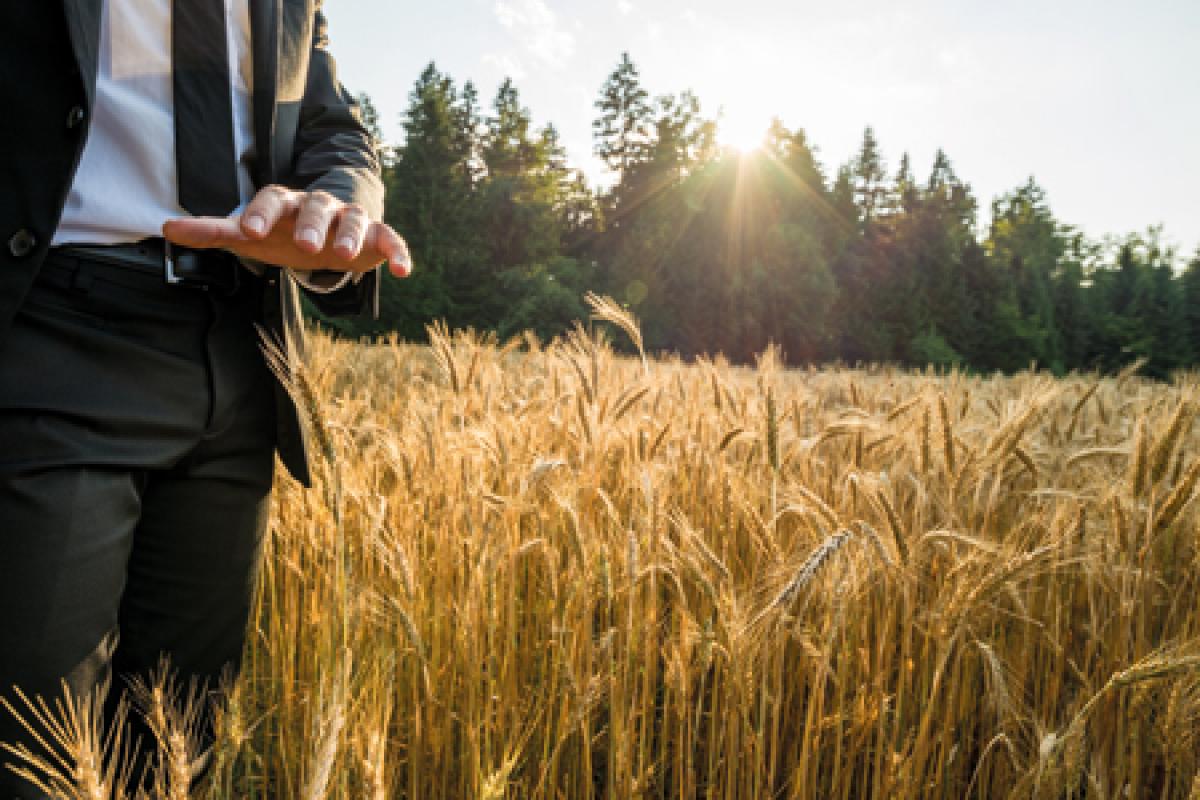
(941, 176)
(905, 190)
(869, 177)
(469, 132)
(793, 150)
(1124, 292)
(1074, 316)
(1027, 243)
(1190, 293)
(682, 137)
(508, 150)
(1172, 347)
(934, 230)
(681, 141)
(622, 130)
(527, 201)
(841, 198)
(429, 185)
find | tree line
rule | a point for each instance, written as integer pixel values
(718, 251)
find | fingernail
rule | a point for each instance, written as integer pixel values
(402, 264)
(256, 224)
(346, 245)
(309, 236)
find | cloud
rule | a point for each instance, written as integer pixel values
(507, 65)
(537, 28)
(625, 7)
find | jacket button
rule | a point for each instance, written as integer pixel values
(22, 243)
(75, 117)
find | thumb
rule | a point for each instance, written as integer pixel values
(203, 232)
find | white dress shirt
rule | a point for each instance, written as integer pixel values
(126, 186)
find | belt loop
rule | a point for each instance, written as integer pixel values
(81, 280)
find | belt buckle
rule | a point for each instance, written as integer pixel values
(172, 277)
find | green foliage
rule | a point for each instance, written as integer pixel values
(870, 176)
(1190, 293)
(1026, 240)
(725, 252)
(545, 299)
(929, 347)
(622, 130)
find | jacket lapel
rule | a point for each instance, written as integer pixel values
(83, 21)
(264, 33)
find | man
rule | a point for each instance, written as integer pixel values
(138, 421)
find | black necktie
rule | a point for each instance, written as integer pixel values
(204, 153)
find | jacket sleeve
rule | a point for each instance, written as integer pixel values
(336, 153)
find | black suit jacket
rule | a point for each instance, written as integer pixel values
(308, 132)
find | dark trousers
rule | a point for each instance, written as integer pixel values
(136, 458)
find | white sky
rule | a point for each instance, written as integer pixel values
(1099, 100)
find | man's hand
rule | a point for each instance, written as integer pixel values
(298, 230)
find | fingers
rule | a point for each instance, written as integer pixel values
(269, 206)
(380, 244)
(203, 232)
(316, 215)
(352, 226)
(303, 230)
(395, 250)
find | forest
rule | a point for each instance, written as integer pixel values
(718, 251)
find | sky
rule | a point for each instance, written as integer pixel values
(1098, 100)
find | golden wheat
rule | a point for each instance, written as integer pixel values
(553, 572)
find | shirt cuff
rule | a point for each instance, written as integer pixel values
(325, 281)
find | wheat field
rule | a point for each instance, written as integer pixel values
(552, 572)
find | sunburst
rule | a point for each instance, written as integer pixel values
(742, 132)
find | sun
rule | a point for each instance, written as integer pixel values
(742, 133)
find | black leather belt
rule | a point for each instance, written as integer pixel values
(183, 267)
